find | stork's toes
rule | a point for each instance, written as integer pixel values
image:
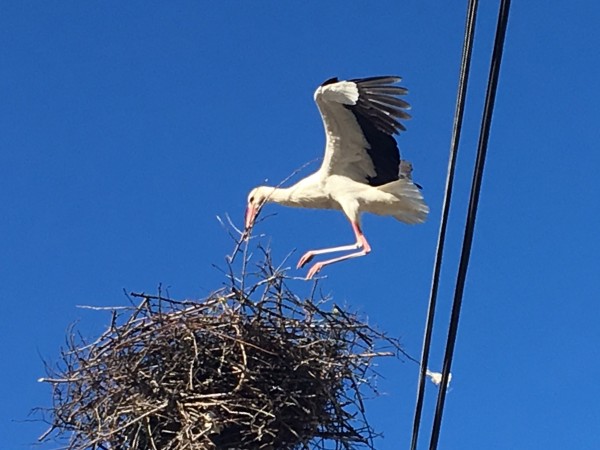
(308, 256)
(314, 270)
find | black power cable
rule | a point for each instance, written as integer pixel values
(456, 129)
(471, 214)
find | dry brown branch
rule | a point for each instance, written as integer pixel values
(253, 366)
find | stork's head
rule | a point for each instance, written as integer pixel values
(256, 199)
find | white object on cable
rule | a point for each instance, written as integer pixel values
(436, 377)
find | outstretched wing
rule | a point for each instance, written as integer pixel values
(360, 117)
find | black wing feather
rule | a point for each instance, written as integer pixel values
(378, 100)
(378, 112)
(383, 151)
(330, 81)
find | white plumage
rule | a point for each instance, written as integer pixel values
(361, 170)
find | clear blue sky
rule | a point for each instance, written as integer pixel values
(126, 127)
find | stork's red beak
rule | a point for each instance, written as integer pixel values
(251, 211)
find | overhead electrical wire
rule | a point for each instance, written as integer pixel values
(456, 129)
(471, 214)
(467, 241)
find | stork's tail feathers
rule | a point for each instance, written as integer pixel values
(410, 205)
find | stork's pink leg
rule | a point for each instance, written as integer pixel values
(361, 243)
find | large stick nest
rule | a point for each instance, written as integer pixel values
(250, 367)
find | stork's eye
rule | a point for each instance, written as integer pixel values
(251, 200)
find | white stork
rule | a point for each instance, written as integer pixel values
(361, 169)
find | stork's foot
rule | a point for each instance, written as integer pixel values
(315, 269)
(308, 256)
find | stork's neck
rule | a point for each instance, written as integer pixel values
(306, 193)
(283, 196)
